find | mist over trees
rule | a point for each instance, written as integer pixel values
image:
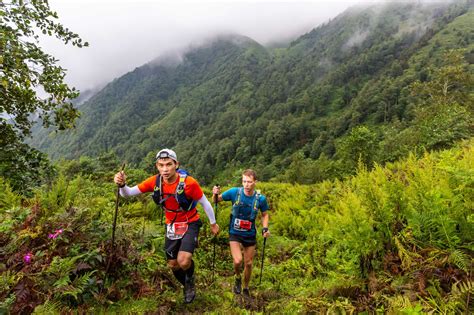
(352, 90)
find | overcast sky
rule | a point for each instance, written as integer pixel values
(125, 34)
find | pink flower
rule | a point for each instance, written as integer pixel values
(56, 234)
(27, 258)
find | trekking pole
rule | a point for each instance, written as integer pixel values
(214, 245)
(116, 211)
(110, 257)
(263, 257)
(162, 213)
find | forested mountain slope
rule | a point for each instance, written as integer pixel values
(233, 103)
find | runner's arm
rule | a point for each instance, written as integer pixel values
(120, 179)
(265, 218)
(216, 197)
(126, 191)
(265, 231)
(208, 209)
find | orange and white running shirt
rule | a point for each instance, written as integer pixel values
(191, 190)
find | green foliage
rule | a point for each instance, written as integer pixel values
(417, 209)
(446, 104)
(360, 145)
(458, 301)
(8, 279)
(77, 265)
(450, 84)
(23, 166)
(439, 127)
(397, 238)
(48, 308)
(7, 303)
(27, 69)
(8, 198)
(103, 167)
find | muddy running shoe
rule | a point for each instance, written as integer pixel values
(246, 292)
(238, 286)
(189, 290)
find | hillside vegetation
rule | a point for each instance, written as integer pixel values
(396, 239)
(361, 130)
(366, 85)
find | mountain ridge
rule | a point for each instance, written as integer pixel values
(233, 102)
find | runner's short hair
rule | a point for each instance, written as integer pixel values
(251, 173)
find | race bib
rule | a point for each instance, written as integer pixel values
(176, 230)
(242, 225)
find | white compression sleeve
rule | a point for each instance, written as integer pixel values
(207, 208)
(129, 191)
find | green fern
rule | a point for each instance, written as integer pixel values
(77, 287)
(406, 256)
(399, 302)
(62, 267)
(462, 288)
(460, 260)
(460, 299)
(58, 276)
(48, 307)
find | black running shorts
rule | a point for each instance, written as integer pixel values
(187, 244)
(245, 241)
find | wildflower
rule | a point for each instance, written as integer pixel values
(56, 234)
(27, 258)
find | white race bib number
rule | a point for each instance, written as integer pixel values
(176, 230)
(242, 225)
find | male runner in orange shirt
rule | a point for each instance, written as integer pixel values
(178, 194)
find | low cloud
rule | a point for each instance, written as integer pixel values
(356, 39)
(125, 34)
